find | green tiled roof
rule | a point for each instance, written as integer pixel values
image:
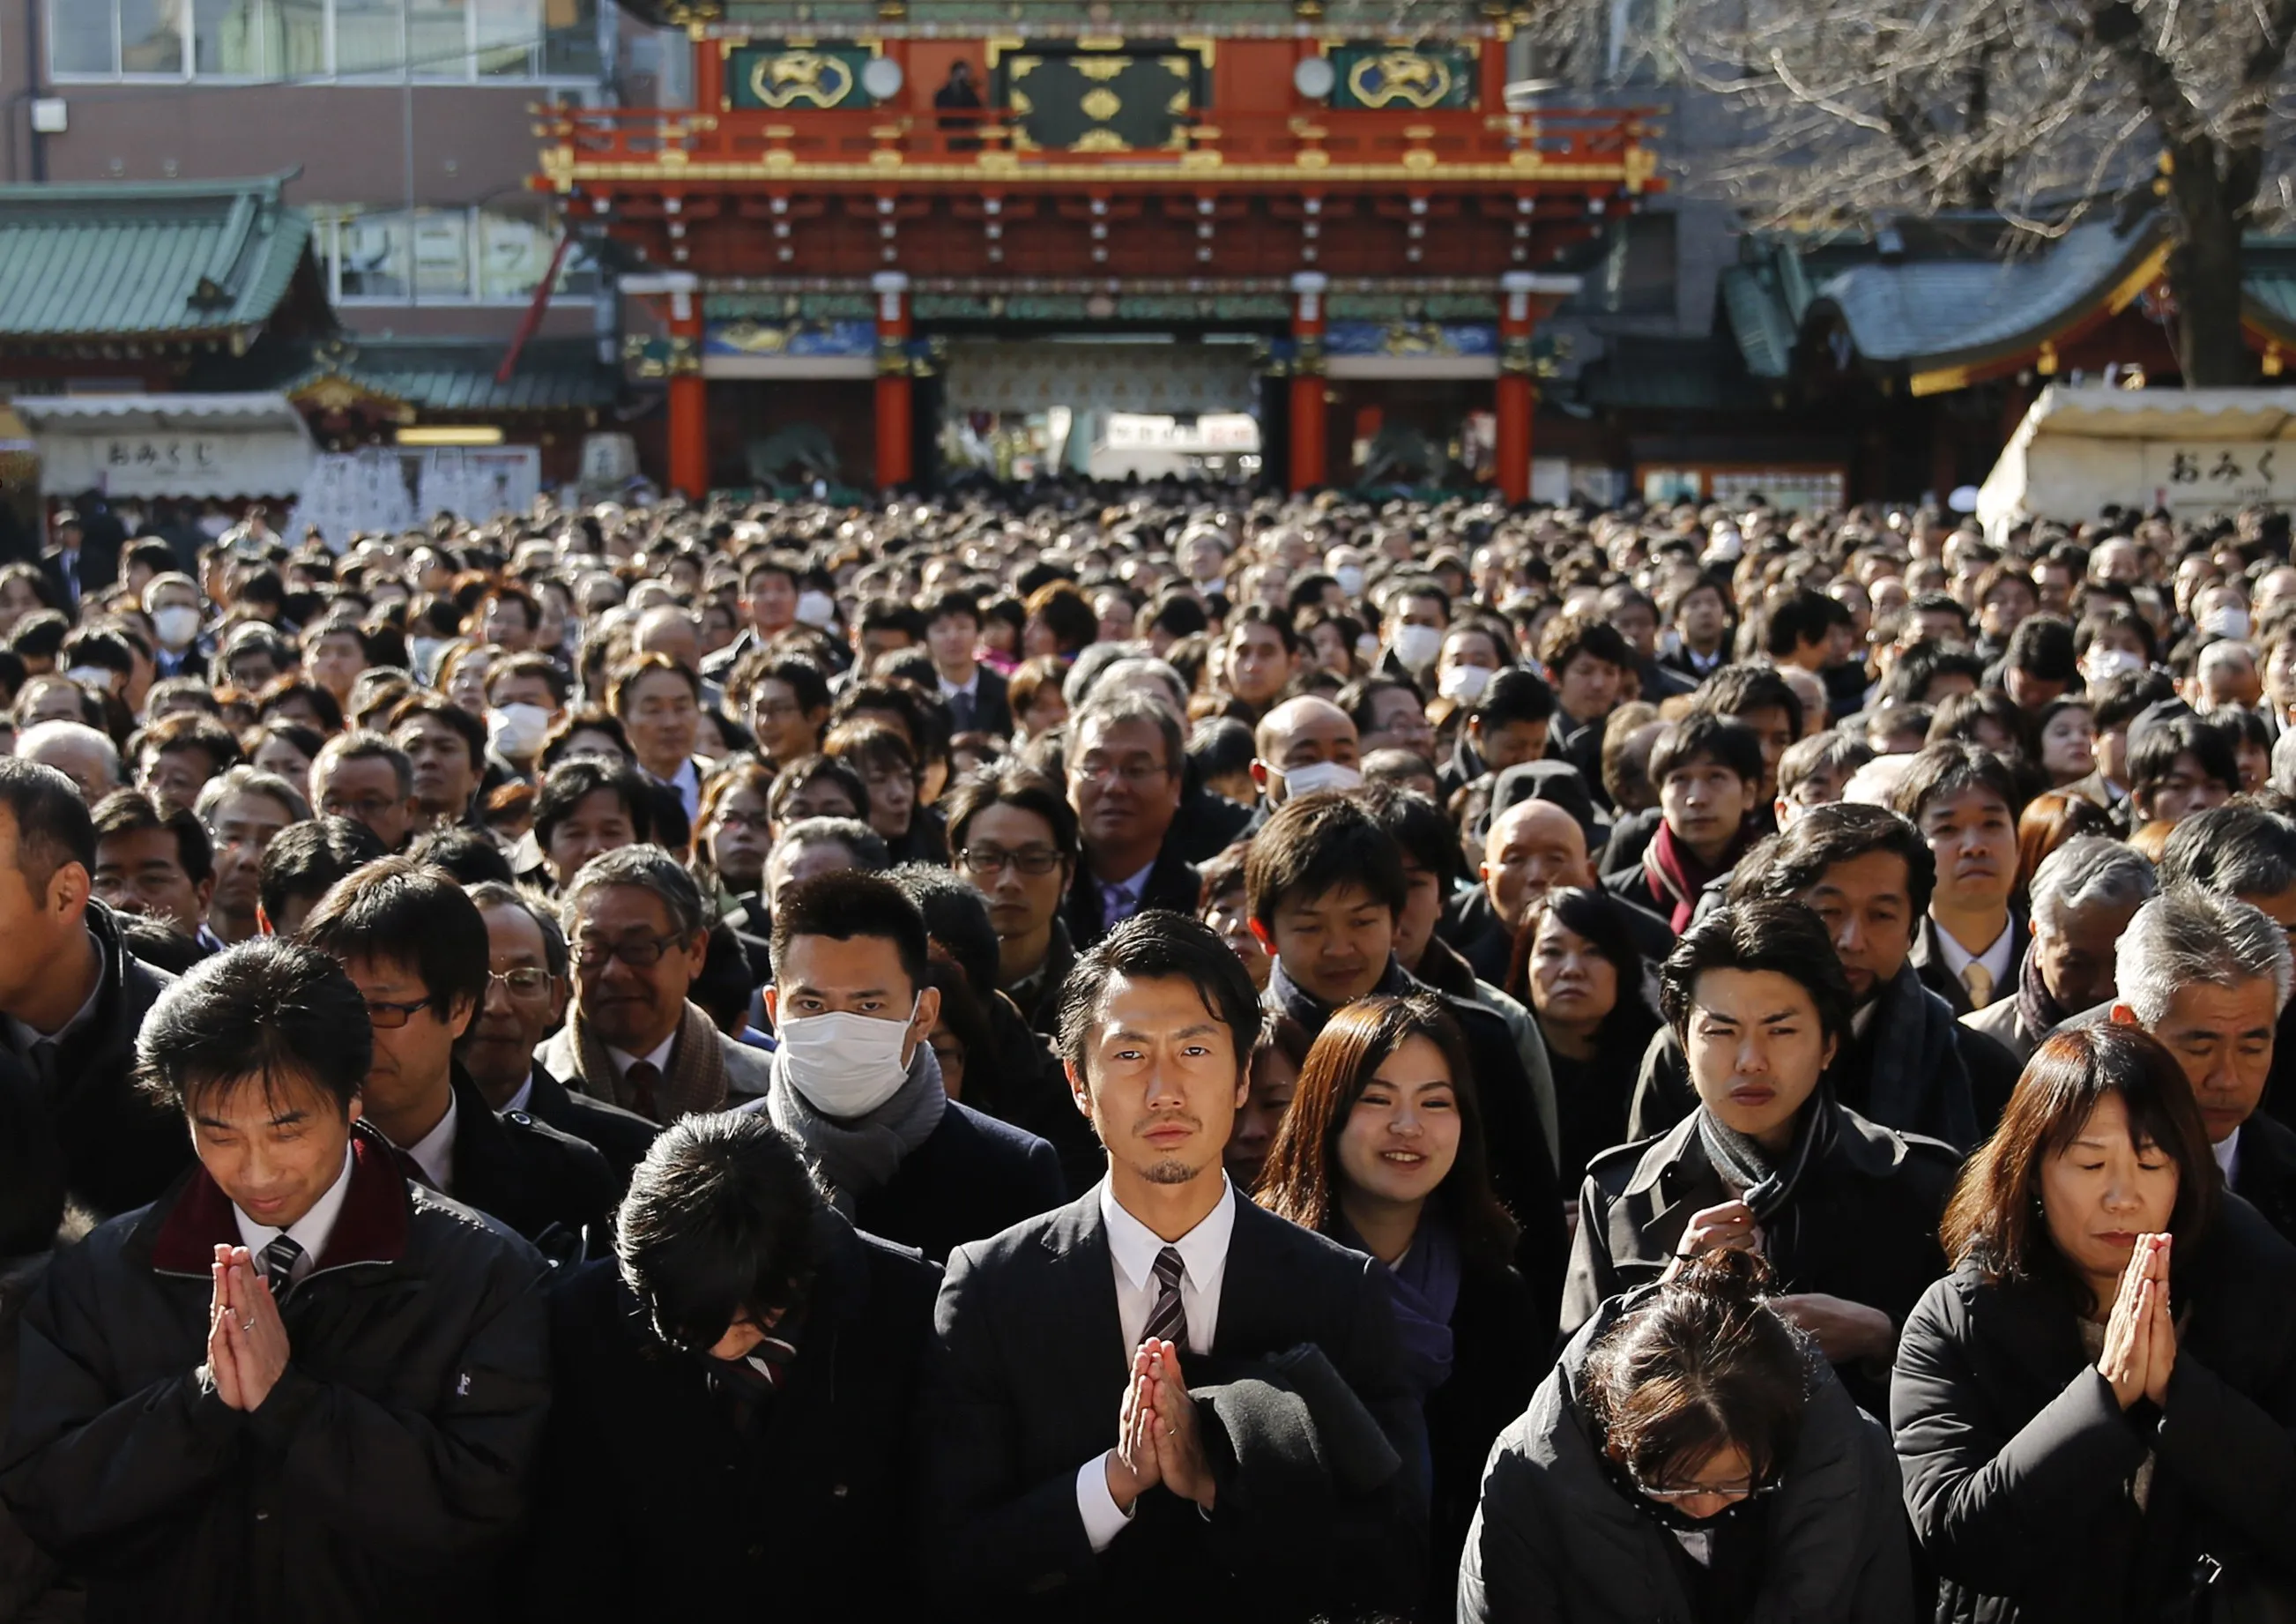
(1648, 374)
(165, 261)
(455, 375)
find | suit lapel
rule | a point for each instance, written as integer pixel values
(1248, 1286)
(1077, 1323)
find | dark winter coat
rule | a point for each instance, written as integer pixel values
(622, 1137)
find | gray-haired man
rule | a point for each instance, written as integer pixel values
(2084, 896)
(2209, 976)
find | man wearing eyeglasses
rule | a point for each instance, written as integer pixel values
(526, 996)
(1125, 780)
(639, 935)
(1015, 839)
(417, 950)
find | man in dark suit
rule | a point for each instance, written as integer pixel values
(1970, 949)
(1093, 1448)
(855, 1083)
(2209, 976)
(977, 699)
(1127, 767)
(526, 995)
(416, 948)
(739, 1392)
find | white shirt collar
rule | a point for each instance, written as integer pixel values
(1995, 958)
(1204, 1249)
(434, 1152)
(659, 1058)
(309, 1231)
(2227, 1154)
(950, 690)
(525, 1092)
(1133, 888)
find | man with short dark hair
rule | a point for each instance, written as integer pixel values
(176, 755)
(976, 696)
(1970, 949)
(1126, 772)
(751, 1363)
(155, 864)
(1708, 772)
(639, 934)
(1512, 722)
(417, 950)
(855, 1083)
(445, 747)
(296, 1385)
(302, 864)
(1095, 1436)
(367, 778)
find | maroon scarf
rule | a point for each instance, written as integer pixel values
(1676, 876)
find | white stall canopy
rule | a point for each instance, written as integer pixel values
(221, 446)
(2191, 451)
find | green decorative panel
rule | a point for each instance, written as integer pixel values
(1413, 307)
(781, 76)
(1403, 79)
(1136, 97)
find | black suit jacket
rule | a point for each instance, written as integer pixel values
(2265, 1174)
(529, 1175)
(1025, 1381)
(992, 705)
(1173, 883)
(622, 1137)
(1929, 962)
(972, 1176)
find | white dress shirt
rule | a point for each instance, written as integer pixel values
(1133, 1247)
(2227, 1151)
(1995, 958)
(434, 1152)
(309, 1231)
(526, 1092)
(658, 1060)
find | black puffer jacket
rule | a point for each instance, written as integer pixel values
(380, 1479)
(2018, 1458)
(1556, 1541)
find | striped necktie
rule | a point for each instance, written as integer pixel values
(279, 1260)
(1168, 1322)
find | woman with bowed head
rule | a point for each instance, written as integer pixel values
(1577, 967)
(1383, 1149)
(2093, 1409)
(1692, 1459)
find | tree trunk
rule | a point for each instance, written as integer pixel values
(2204, 270)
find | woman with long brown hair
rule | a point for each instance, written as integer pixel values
(2092, 1410)
(1382, 1149)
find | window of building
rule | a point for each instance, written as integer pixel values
(497, 254)
(454, 41)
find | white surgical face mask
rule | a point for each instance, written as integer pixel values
(1465, 682)
(1350, 578)
(845, 1065)
(815, 609)
(1417, 646)
(2098, 662)
(2225, 620)
(424, 651)
(517, 730)
(99, 678)
(177, 624)
(1318, 775)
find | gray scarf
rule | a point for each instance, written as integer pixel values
(861, 1155)
(1767, 1184)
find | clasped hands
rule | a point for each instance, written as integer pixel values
(1845, 1332)
(246, 1341)
(2140, 1336)
(1158, 1440)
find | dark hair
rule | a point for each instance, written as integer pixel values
(1702, 1363)
(1736, 690)
(1514, 694)
(533, 663)
(52, 825)
(956, 919)
(2153, 757)
(188, 730)
(1801, 617)
(865, 845)
(2234, 851)
(627, 676)
(1838, 832)
(288, 687)
(589, 719)
(1567, 636)
(1704, 736)
(131, 811)
(1603, 920)
(1780, 937)
(471, 856)
(438, 708)
(1010, 783)
(366, 746)
(1995, 1217)
(2042, 647)
(1316, 843)
(719, 1225)
(405, 912)
(1220, 747)
(1418, 828)
(576, 779)
(305, 860)
(802, 678)
(2125, 695)
(848, 904)
(1157, 945)
(1067, 613)
(797, 774)
(1301, 1178)
(268, 1009)
(1942, 770)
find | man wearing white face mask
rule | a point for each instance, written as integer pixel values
(854, 1082)
(175, 607)
(1418, 614)
(1304, 745)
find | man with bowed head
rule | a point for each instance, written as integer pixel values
(297, 1386)
(856, 1085)
(1110, 1430)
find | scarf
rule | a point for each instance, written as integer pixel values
(2037, 1006)
(1767, 1183)
(1424, 1288)
(1677, 875)
(1916, 1081)
(863, 1154)
(695, 1080)
(1290, 998)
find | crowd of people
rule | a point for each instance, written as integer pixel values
(1093, 1052)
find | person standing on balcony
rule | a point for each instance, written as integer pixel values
(960, 94)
